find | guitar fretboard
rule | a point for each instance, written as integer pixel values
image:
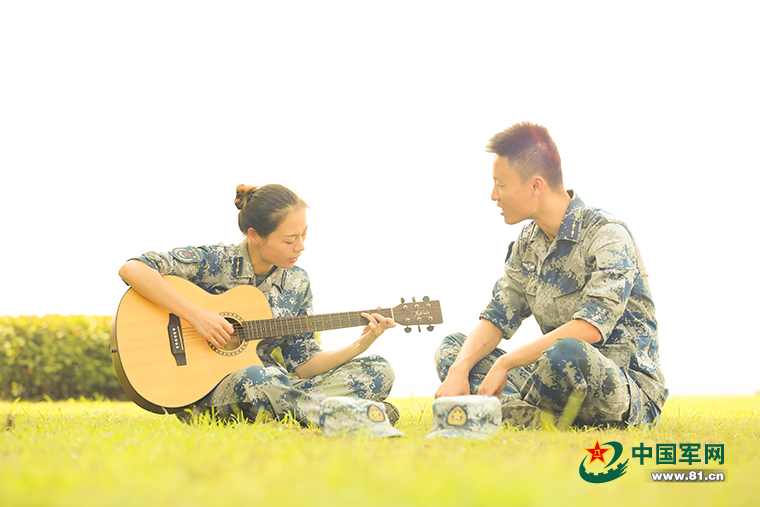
(269, 328)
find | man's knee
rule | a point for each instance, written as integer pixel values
(568, 358)
(566, 350)
(447, 352)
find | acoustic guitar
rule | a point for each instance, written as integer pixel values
(164, 365)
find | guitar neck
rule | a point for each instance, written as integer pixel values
(270, 328)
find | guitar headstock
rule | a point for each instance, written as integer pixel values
(418, 313)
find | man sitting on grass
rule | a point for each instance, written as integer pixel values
(579, 272)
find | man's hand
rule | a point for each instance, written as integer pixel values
(496, 380)
(478, 344)
(454, 385)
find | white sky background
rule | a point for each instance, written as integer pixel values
(125, 127)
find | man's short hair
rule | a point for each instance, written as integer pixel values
(530, 150)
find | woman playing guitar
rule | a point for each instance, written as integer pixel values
(273, 220)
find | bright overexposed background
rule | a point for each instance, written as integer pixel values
(125, 127)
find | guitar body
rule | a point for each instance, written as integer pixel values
(162, 363)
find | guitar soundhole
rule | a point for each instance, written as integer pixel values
(237, 344)
(233, 344)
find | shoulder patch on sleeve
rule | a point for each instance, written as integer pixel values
(187, 254)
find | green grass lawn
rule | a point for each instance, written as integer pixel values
(114, 454)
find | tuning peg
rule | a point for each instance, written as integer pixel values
(414, 299)
(430, 328)
(419, 328)
(426, 298)
(408, 329)
(403, 300)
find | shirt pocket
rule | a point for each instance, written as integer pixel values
(567, 297)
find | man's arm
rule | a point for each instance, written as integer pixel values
(505, 312)
(496, 380)
(479, 343)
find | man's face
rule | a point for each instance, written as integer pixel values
(516, 199)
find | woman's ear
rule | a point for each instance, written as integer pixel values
(254, 237)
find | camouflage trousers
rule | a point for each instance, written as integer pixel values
(257, 392)
(570, 369)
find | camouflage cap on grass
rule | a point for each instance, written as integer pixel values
(465, 417)
(348, 416)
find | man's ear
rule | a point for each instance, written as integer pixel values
(539, 185)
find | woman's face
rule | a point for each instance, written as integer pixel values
(284, 246)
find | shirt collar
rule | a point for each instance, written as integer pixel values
(570, 229)
(277, 278)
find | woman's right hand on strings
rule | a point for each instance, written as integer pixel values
(150, 284)
(214, 328)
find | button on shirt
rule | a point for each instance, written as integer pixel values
(592, 271)
(217, 268)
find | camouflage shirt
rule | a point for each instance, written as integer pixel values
(217, 268)
(592, 271)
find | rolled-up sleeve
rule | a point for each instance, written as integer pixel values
(609, 285)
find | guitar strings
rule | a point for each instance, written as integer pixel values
(238, 330)
(301, 324)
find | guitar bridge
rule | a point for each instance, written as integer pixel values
(176, 341)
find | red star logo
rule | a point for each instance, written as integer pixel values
(597, 453)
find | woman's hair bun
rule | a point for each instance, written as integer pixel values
(242, 194)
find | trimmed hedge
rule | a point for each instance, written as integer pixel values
(57, 357)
